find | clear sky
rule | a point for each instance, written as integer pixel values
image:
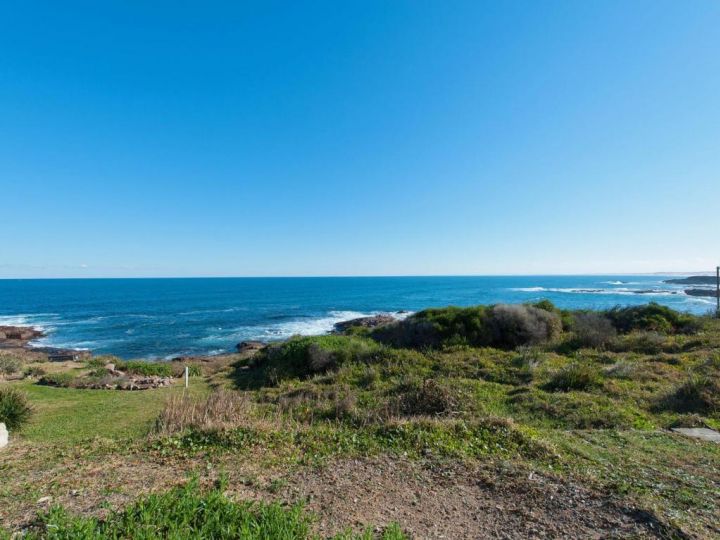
(348, 138)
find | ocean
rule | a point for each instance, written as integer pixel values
(163, 318)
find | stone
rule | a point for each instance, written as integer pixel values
(4, 436)
(249, 346)
(703, 434)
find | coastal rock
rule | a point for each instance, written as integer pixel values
(711, 293)
(123, 382)
(250, 346)
(693, 280)
(4, 436)
(18, 335)
(364, 322)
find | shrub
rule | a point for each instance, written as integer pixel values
(503, 326)
(15, 411)
(63, 379)
(146, 369)
(642, 342)
(593, 330)
(9, 365)
(427, 398)
(574, 376)
(654, 318)
(307, 356)
(513, 325)
(102, 361)
(35, 371)
(195, 370)
(698, 394)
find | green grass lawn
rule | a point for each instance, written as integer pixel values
(69, 415)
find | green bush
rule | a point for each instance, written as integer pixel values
(700, 394)
(146, 369)
(9, 365)
(502, 326)
(574, 376)
(653, 317)
(307, 356)
(591, 329)
(194, 370)
(63, 379)
(15, 411)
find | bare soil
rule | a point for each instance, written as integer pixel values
(460, 502)
(428, 499)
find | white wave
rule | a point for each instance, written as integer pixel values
(614, 291)
(204, 311)
(297, 327)
(614, 282)
(14, 320)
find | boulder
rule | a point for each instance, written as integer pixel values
(364, 322)
(249, 346)
(4, 436)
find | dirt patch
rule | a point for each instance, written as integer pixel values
(458, 502)
(428, 500)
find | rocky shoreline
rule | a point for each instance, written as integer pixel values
(17, 340)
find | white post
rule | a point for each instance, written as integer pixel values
(187, 376)
(4, 435)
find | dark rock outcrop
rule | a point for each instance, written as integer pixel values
(250, 346)
(364, 322)
(712, 293)
(693, 280)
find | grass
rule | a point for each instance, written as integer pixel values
(66, 416)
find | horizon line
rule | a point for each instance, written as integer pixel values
(321, 276)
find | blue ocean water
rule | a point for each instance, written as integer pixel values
(162, 318)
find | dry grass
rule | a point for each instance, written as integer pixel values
(222, 409)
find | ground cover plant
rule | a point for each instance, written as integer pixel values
(187, 512)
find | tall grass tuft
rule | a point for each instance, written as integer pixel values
(220, 410)
(574, 376)
(9, 365)
(15, 410)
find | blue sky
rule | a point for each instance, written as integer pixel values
(355, 138)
